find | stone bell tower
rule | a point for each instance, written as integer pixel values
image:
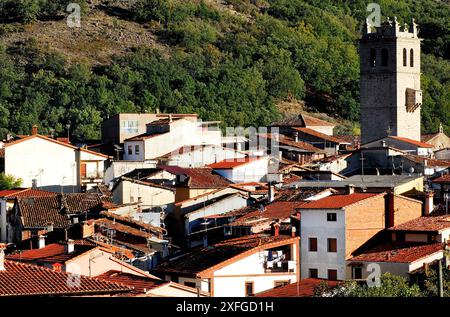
(390, 81)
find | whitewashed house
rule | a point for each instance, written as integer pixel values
(52, 165)
(242, 170)
(148, 194)
(237, 267)
(167, 135)
(405, 144)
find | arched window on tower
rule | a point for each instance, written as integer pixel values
(384, 57)
(373, 57)
(405, 62)
(411, 58)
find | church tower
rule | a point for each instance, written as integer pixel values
(390, 81)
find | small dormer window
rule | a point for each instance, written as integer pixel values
(411, 58)
(384, 57)
(373, 57)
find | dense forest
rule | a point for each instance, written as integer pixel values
(229, 60)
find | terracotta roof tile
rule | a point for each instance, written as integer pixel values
(303, 288)
(301, 121)
(272, 211)
(39, 212)
(411, 141)
(319, 135)
(20, 279)
(286, 140)
(145, 136)
(52, 253)
(202, 259)
(427, 161)
(442, 179)
(406, 252)
(199, 177)
(339, 201)
(140, 284)
(26, 192)
(423, 224)
(232, 163)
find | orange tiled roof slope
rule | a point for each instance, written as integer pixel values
(138, 283)
(318, 134)
(303, 288)
(20, 279)
(273, 211)
(411, 141)
(286, 140)
(204, 258)
(25, 192)
(405, 252)
(422, 224)
(339, 201)
(203, 177)
(232, 163)
(442, 179)
(52, 253)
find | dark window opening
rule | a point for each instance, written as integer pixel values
(405, 57)
(190, 284)
(411, 58)
(331, 216)
(313, 244)
(357, 273)
(373, 57)
(313, 273)
(249, 289)
(332, 275)
(332, 245)
(384, 57)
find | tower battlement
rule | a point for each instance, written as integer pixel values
(390, 29)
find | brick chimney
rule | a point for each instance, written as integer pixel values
(390, 210)
(429, 203)
(34, 130)
(276, 228)
(41, 242)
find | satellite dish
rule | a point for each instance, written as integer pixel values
(411, 170)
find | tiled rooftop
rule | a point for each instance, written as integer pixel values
(39, 212)
(318, 134)
(232, 163)
(339, 201)
(140, 284)
(301, 121)
(442, 179)
(272, 211)
(286, 140)
(406, 252)
(199, 177)
(413, 142)
(20, 279)
(26, 192)
(424, 224)
(303, 288)
(201, 259)
(52, 253)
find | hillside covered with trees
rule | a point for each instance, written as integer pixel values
(228, 60)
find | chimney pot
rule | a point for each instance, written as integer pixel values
(293, 232)
(350, 189)
(70, 246)
(429, 204)
(41, 242)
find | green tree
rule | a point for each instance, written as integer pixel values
(9, 181)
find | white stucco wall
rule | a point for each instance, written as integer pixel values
(51, 164)
(314, 224)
